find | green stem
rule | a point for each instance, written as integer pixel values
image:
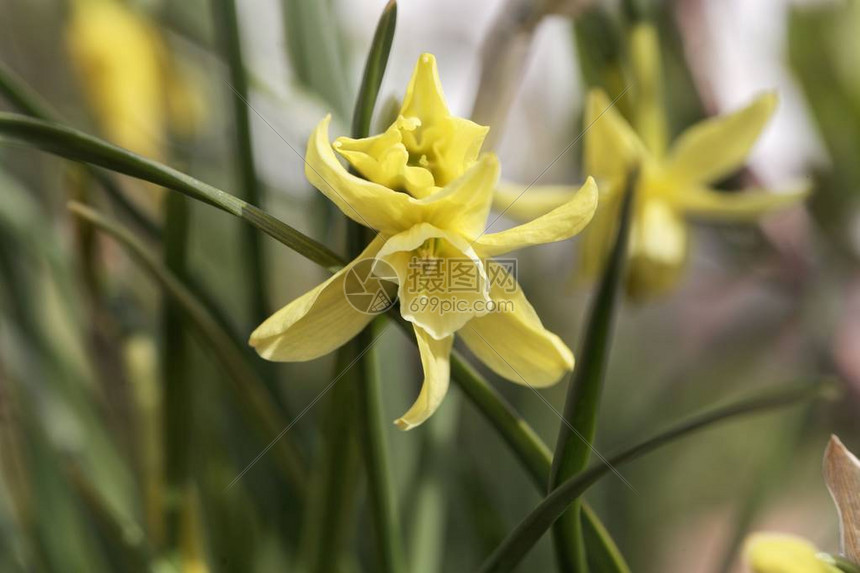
(370, 417)
(431, 493)
(579, 424)
(523, 538)
(177, 390)
(22, 97)
(375, 449)
(228, 28)
(846, 566)
(330, 512)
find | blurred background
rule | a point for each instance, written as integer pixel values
(86, 339)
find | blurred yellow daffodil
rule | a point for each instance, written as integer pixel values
(778, 553)
(673, 181)
(427, 192)
(128, 77)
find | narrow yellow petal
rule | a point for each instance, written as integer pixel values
(561, 223)
(424, 98)
(748, 204)
(714, 148)
(435, 358)
(364, 202)
(524, 203)
(842, 475)
(658, 250)
(513, 342)
(779, 553)
(611, 145)
(465, 203)
(316, 323)
(423, 258)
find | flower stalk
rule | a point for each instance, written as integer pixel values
(370, 416)
(226, 17)
(579, 425)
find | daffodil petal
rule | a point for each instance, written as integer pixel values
(716, 147)
(444, 144)
(611, 145)
(513, 342)
(524, 203)
(364, 202)
(658, 250)
(561, 223)
(648, 82)
(597, 237)
(779, 553)
(316, 323)
(435, 359)
(427, 298)
(459, 143)
(748, 204)
(424, 97)
(465, 203)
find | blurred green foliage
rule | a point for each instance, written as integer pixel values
(89, 370)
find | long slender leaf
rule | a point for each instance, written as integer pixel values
(246, 385)
(27, 101)
(532, 528)
(374, 70)
(229, 32)
(579, 425)
(78, 146)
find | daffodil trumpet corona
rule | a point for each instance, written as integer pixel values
(675, 182)
(426, 189)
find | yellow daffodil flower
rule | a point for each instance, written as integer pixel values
(673, 181)
(777, 553)
(128, 77)
(426, 190)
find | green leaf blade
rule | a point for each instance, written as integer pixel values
(579, 425)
